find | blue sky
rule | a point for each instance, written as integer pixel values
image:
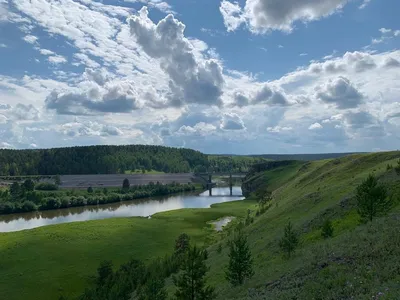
(253, 76)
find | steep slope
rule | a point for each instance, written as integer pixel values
(360, 261)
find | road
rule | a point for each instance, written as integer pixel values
(115, 180)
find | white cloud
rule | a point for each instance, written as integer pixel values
(31, 39)
(192, 80)
(278, 129)
(264, 15)
(46, 52)
(340, 92)
(3, 45)
(231, 121)
(315, 126)
(364, 4)
(57, 59)
(232, 15)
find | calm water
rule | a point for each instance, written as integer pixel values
(140, 208)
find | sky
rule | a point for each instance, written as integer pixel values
(245, 77)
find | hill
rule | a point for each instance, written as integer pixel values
(359, 262)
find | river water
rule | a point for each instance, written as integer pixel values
(138, 208)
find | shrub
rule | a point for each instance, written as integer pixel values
(46, 186)
(327, 229)
(7, 207)
(90, 190)
(51, 203)
(125, 184)
(65, 202)
(28, 206)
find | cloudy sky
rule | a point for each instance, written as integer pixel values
(253, 76)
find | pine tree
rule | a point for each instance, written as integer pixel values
(327, 229)
(240, 261)
(191, 283)
(372, 199)
(289, 241)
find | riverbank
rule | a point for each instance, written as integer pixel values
(59, 259)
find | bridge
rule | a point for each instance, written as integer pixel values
(207, 178)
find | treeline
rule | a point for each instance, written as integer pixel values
(27, 197)
(236, 164)
(99, 160)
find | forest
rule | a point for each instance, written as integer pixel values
(117, 159)
(100, 160)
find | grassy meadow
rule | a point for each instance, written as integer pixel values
(45, 262)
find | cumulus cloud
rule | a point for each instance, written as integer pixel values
(240, 100)
(390, 62)
(340, 92)
(192, 80)
(231, 121)
(113, 98)
(232, 15)
(25, 112)
(99, 76)
(265, 15)
(201, 128)
(315, 126)
(271, 96)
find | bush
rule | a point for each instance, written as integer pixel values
(28, 206)
(65, 202)
(90, 190)
(7, 208)
(46, 186)
(91, 201)
(51, 203)
(327, 229)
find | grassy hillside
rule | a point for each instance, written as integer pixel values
(360, 261)
(45, 262)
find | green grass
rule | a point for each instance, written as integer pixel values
(360, 260)
(45, 262)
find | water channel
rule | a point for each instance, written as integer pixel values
(138, 208)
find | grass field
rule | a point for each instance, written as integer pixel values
(138, 171)
(360, 261)
(45, 262)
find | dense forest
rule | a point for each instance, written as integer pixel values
(100, 160)
(117, 159)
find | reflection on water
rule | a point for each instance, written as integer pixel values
(139, 208)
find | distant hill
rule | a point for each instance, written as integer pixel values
(307, 157)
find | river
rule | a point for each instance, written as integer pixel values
(137, 208)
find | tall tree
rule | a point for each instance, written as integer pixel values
(372, 199)
(191, 283)
(240, 264)
(289, 241)
(126, 184)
